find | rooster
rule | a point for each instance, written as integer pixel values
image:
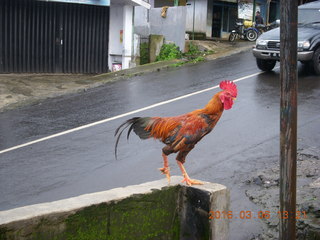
(181, 133)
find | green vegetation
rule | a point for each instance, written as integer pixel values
(178, 64)
(193, 50)
(194, 55)
(198, 59)
(168, 52)
(171, 51)
(144, 53)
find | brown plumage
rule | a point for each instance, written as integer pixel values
(181, 133)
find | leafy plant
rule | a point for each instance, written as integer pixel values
(193, 50)
(168, 52)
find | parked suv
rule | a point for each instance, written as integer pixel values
(267, 49)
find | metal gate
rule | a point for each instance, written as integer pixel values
(53, 37)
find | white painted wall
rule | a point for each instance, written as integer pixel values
(116, 25)
(123, 48)
(209, 18)
(201, 7)
(127, 36)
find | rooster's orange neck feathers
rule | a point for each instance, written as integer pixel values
(214, 105)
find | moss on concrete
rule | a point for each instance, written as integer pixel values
(3, 233)
(149, 217)
(141, 217)
(89, 223)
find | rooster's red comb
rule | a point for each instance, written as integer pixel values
(229, 86)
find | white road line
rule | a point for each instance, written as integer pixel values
(120, 116)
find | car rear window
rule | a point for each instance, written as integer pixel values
(308, 15)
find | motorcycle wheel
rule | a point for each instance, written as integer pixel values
(251, 35)
(232, 37)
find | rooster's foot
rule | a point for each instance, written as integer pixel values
(166, 171)
(191, 182)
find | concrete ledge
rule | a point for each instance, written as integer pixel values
(153, 210)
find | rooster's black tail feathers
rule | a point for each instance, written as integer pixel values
(137, 124)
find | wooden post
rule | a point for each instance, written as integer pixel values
(288, 118)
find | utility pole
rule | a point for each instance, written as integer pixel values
(288, 118)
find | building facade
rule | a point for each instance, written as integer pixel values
(54, 36)
(65, 36)
(217, 18)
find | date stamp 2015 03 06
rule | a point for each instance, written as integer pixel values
(244, 214)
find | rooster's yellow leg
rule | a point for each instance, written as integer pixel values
(186, 176)
(165, 170)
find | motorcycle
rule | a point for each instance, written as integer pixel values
(264, 28)
(240, 32)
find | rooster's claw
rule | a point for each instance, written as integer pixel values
(191, 182)
(166, 171)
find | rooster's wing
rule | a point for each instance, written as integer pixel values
(191, 128)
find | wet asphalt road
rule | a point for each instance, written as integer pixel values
(245, 140)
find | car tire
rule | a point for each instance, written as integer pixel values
(265, 65)
(316, 61)
(251, 35)
(232, 37)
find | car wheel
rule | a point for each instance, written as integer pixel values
(265, 65)
(316, 61)
(232, 37)
(251, 35)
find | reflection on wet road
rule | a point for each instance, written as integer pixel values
(245, 140)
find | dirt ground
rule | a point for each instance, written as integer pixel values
(263, 190)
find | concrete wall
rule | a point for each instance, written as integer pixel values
(116, 25)
(151, 210)
(173, 27)
(141, 21)
(209, 19)
(127, 53)
(200, 22)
